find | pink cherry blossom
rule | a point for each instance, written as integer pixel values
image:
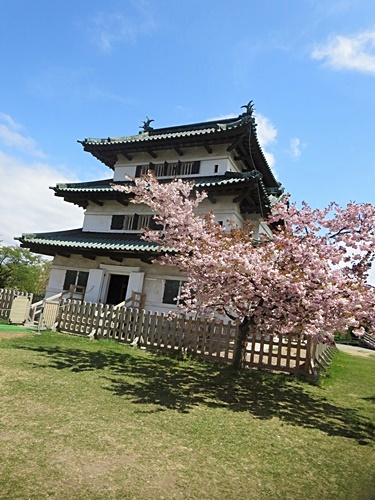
(308, 279)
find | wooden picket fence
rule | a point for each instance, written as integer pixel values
(205, 338)
(287, 353)
(211, 340)
(6, 300)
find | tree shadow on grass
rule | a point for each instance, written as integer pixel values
(168, 383)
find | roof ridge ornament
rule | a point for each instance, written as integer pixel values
(146, 127)
(249, 108)
(248, 115)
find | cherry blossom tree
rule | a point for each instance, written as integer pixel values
(309, 278)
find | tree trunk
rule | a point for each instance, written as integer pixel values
(243, 331)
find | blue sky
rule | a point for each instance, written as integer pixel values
(76, 69)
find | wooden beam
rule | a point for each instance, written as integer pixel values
(147, 260)
(179, 151)
(211, 198)
(207, 148)
(241, 158)
(109, 158)
(127, 156)
(152, 154)
(234, 144)
(242, 196)
(122, 202)
(61, 254)
(91, 257)
(79, 203)
(97, 202)
(116, 259)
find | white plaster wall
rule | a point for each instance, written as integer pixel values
(97, 222)
(58, 271)
(207, 167)
(219, 157)
(224, 209)
(136, 280)
(94, 285)
(229, 220)
(74, 262)
(154, 290)
(99, 218)
(224, 164)
(123, 171)
(265, 229)
(113, 207)
(56, 281)
(146, 278)
(109, 207)
(259, 226)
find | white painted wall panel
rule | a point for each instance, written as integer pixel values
(135, 284)
(99, 223)
(94, 285)
(56, 281)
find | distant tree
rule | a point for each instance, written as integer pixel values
(308, 278)
(21, 270)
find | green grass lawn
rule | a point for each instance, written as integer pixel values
(5, 327)
(87, 419)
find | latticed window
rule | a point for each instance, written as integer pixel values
(171, 291)
(169, 169)
(133, 222)
(117, 221)
(129, 222)
(78, 278)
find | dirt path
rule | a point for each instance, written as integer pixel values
(13, 335)
(355, 351)
(14, 331)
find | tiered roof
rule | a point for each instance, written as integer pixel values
(228, 183)
(91, 244)
(255, 188)
(239, 133)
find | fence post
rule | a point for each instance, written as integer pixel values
(309, 364)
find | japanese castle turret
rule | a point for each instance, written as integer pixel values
(107, 256)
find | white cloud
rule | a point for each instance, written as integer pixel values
(27, 205)
(355, 53)
(296, 147)
(9, 120)
(109, 29)
(217, 118)
(267, 133)
(11, 137)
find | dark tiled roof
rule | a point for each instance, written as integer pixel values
(147, 137)
(76, 239)
(104, 186)
(85, 187)
(177, 132)
(103, 190)
(237, 132)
